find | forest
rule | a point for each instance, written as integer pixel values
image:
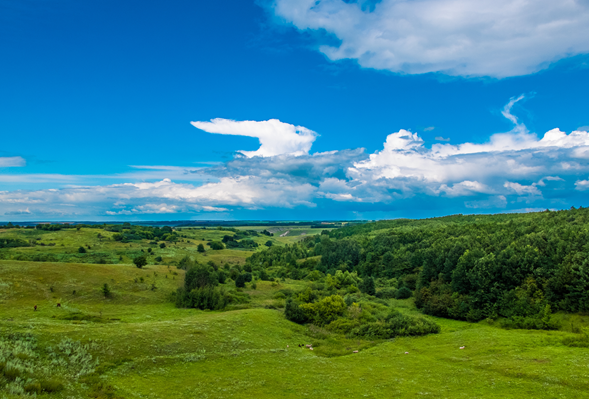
(518, 267)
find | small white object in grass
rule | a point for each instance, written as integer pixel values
(462, 347)
(355, 352)
(287, 346)
(311, 348)
(406, 353)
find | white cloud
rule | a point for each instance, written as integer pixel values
(276, 138)
(521, 189)
(515, 154)
(440, 138)
(7, 162)
(497, 38)
(511, 167)
(582, 185)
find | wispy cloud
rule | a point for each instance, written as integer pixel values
(8, 162)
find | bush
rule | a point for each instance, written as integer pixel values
(162, 245)
(212, 298)
(140, 261)
(216, 245)
(293, 312)
(105, 290)
(200, 248)
(326, 310)
(158, 259)
(403, 293)
(82, 250)
(396, 324)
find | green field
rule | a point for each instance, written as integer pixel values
(148, 348)
(134, 342)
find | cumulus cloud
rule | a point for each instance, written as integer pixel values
(509, 168)
(276, 138)
(7, 162)
(497, 38)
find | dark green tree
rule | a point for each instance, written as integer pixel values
(140, 261)
(240, 281)
(200, 248)
(82, 250)
(368, 286)
(105, 290)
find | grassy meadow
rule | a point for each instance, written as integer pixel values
(135, 343)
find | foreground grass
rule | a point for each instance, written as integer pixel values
(147, 348)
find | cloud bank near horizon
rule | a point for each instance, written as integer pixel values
(512, 170)
(496, 38)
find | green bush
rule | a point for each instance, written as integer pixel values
(216, 245)
(293, 312)
(325, 310)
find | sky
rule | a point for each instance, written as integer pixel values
(291, 109)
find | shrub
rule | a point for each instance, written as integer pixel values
(216, 245)
(326, 310)
(82, 250)
(105, 290)
(293, 312)
(200, 248)
(162, 245)
(403, 293)
(140, 261)
(158, 259)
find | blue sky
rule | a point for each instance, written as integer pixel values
(364, 109)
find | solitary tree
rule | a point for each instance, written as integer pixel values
(200, 248)
(268, 243)
(162, 245)
(82, 250)
(140, 261)
(105, 290)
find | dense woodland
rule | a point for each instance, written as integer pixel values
(520, 267)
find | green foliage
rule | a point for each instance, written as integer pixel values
(268, 243)
(394, 325)
(105, 289)
(368, 287)
(140, 261)
(403, 293)
(216, 245)
(82, 250)
(240, 281)
(294, 312)
(200, 248)
(324, 311)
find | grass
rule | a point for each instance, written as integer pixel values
(147, 348)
